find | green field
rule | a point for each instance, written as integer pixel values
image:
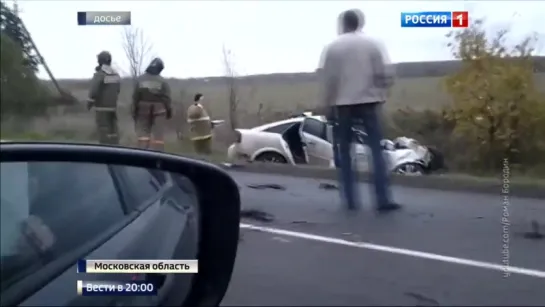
(280, 98)
(262, 99)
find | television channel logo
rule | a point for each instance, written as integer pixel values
(435, 20)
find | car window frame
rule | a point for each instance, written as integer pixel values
(28, 284)
(323, 133)
(288, 125)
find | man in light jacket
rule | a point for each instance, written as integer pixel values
(356, 76)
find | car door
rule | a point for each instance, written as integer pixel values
(363, 155)
(91, 211)
(314, 136)
(73, 210)
(169, 223)
(362, 152)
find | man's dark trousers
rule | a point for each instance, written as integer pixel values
(343, 136)
(336, 154)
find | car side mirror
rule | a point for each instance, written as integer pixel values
(73, 214)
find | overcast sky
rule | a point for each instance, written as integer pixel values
(265, 36)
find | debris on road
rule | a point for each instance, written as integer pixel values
(273, 186)
(422, 300)
(256, 215)
(535, 233)
(328, 186)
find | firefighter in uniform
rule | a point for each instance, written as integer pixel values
(200, 126)
(105, 87)
(151, 107)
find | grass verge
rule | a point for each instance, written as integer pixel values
(441, 181)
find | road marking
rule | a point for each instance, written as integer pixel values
(396, 250)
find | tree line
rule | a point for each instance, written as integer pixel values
(22, 92)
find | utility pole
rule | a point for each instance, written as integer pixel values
(15, 8)
(16, 11)
(25, 32)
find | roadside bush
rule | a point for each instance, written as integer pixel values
(497, 111)
(497, 108)
(428, 126)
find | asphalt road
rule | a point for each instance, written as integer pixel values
(403, 262)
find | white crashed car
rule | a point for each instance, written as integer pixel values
(307, 139)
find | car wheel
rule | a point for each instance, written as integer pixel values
(410, 169)
(271, 157)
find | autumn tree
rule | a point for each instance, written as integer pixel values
(496, 107)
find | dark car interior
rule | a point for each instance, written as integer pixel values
(128, 204)
(437, 161)
(296, 145)
(292, 137)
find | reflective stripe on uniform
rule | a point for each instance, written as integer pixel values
(189, 120)
(105, 109)
(150, 84)
(198, 138)
(108, 79)
(144, 138)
